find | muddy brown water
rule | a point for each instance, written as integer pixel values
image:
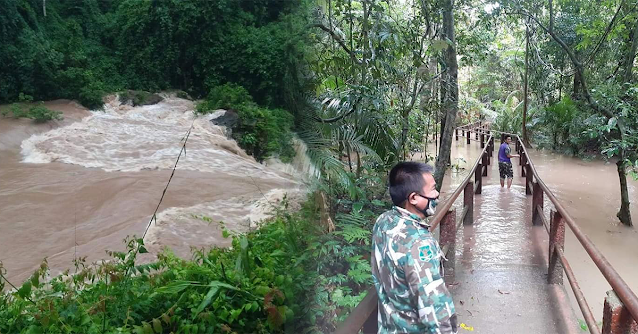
(95, 178)
(589, 191)
(78, 187)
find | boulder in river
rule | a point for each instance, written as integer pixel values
(225, 118)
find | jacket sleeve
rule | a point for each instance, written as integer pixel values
(434, 302)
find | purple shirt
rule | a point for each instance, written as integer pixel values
(503, 151)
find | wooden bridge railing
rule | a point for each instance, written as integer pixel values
(364, 316)
(621, 305)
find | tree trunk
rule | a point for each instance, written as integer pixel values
(579, 77)
(452, 89)
(630, 55)
(404, 132)
(525, 86)
(624, 214)
(349, 158)
(358, 164)
(577, 86)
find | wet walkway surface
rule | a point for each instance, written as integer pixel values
(499, 282)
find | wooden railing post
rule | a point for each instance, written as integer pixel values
(523, 161)
(485, 161)
(482, 140)
(478, 179)
(477, 131)
(491, 146)
(556, 239)
(537, 201)
(468, 137)
(529, 177)
(457, 134)
(372, 323)
(616, 317)
(468, 202)
(448, 238)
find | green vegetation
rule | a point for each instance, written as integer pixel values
(363, 83)
(289, 276)
(25, 109)
(85, 49)
(261, 132)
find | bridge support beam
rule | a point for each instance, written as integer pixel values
(616, 317)
(468, 202)
(556, 239)
(447, 239)
(537, 201)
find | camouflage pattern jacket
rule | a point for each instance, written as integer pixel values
(406, 262)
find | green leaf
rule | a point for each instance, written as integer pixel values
(33, 329)
(377, 202)
(35, 280)
(212, 293)
(612, 122)
(438, 45)
(215, 287)
(176, 286)
(143, 250)
(25, 290)
(356, 207)
(147, 328)
(157, 325)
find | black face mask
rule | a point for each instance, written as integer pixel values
(429, 209)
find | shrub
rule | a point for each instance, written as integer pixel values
(38, 113)
(91, 99)
(41, 114)
(261, 132)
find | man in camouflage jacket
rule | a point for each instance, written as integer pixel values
(406, 259)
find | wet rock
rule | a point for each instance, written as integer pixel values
(139, 98)
(226, 118)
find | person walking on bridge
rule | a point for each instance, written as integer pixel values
(504, 162)
(406, 258)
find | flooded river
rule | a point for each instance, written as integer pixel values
(79, 186)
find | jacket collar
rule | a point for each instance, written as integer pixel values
(407, 215)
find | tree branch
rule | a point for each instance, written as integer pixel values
(605, 34)
(578, 66)
(339, 117)
(338, 39)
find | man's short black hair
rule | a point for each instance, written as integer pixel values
(504, 137)
(406, 178)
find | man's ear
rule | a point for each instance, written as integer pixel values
(412, 198)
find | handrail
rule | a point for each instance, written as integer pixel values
(440, 212)
(359, 316)
(469, 124)
(625, 294)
